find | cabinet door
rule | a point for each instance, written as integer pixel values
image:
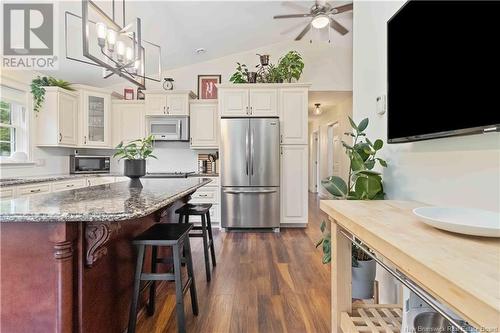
(178, 105)
(156, 104)
(234, 102)
(263, 102)
(68, 119)
(294, 184)
(96, 116)
(204, 126)
(128, 122)
(293, 116)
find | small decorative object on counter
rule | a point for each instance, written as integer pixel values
(135, 154)
(128, 94)
(362, 184)
(168, 83)
(140, 94)
(207, 88)
(38, 91)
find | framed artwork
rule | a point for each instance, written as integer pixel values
(128, 93)
(206, 86)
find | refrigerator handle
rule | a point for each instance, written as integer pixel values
(246, 151)
(249, 191)
(251, 153)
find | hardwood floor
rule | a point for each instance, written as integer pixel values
(263, 282)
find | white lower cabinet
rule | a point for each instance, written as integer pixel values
(208, 194)
(94, 181)
(68, 185)
(33, 189)
(7, 193)
(294, 180)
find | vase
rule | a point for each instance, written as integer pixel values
(252, 77)
(363, 278)
(134, 168)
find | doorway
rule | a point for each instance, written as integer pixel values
(334, 149)
(315, 181)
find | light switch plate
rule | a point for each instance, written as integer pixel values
(381, 104)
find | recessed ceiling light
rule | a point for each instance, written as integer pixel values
(200, 50)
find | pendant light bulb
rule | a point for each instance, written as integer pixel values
(317, 111)
(101, 31)
(129, 54)
(111, 37)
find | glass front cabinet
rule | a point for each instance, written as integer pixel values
(96, 119)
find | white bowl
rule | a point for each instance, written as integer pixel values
(467, 221)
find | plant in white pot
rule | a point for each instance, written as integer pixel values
(135, 154)
(363, 183)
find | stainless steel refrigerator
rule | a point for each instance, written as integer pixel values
(250, 172)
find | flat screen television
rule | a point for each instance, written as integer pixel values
(443, 69)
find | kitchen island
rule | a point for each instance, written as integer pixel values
(66, 259)
(461, 272)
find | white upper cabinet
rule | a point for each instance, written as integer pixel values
(57, 121)
(263, 102)
(128, 121)
(96, 125)
(233, 102)
(294, 178)
(173, 103)
(293, 115)
(248, 102)
(204, 124)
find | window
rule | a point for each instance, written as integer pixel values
(13, 125)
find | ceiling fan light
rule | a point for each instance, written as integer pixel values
(320, 21)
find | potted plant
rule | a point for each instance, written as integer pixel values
(38, 90)
(135, 154)
(363, 183)
(241, 74)
(291, 66)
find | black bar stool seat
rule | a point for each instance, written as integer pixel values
(177, 237)
(202, 210)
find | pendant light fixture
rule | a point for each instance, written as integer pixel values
(317, 111)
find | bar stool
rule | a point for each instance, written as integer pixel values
(175, 236)
(202, 210)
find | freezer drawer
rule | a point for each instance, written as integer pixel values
(250, 207)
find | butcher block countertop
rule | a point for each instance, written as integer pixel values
(461, 271)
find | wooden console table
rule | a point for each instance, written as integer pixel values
(461, 272)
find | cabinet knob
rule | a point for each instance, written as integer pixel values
(168, 109)
(164, 110)
(251, 110)
(281, 138)
(85, 140)
(247, 110)
(60, 137)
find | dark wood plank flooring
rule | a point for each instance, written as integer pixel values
(263, 282)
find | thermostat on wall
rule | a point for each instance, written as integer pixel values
(381, 104)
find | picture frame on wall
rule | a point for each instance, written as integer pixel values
(207, 86)
(128, 94)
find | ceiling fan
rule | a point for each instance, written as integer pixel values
(321, 14)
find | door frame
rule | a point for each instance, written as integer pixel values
(315, 162)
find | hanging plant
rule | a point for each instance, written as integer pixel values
(38, 90)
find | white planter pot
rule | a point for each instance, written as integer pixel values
(363, 278)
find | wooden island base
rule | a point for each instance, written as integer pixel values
(70, 276)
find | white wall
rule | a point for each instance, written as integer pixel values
(463, 171)
(327, 67)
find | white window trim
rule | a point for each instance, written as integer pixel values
(15, 84)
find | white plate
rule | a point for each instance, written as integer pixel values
(467, 221)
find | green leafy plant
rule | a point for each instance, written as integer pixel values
(272, 74)
(241, 74)
(139, 149)
(38, 90)
(291, 66)
(362, 184)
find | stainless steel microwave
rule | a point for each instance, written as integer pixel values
(89, 164)
(168, 128)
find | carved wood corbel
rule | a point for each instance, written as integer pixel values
(97, 235)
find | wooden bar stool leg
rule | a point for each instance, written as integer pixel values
(152, 288)
(179, 296)
(210, 237)
(135, 297)
(205, 246)
(180, 218)
(189, 264)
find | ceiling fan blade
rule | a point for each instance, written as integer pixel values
(341, 9)
(338, 27)
(295, 5)
(303, 32)
(291, 16)
(294, 27)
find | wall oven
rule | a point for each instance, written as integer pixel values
(89, 164)
(168, 128)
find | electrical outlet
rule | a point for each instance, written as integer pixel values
(381, 104)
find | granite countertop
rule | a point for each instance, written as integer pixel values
(110, 202)
(14, 181)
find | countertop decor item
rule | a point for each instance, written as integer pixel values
(135, 154)
(168, 83)
(117, 47)
(467, 221)
(207, 88)
(38, 91)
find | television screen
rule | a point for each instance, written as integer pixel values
(443, 69)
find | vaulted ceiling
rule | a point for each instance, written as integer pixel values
(180, 27)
